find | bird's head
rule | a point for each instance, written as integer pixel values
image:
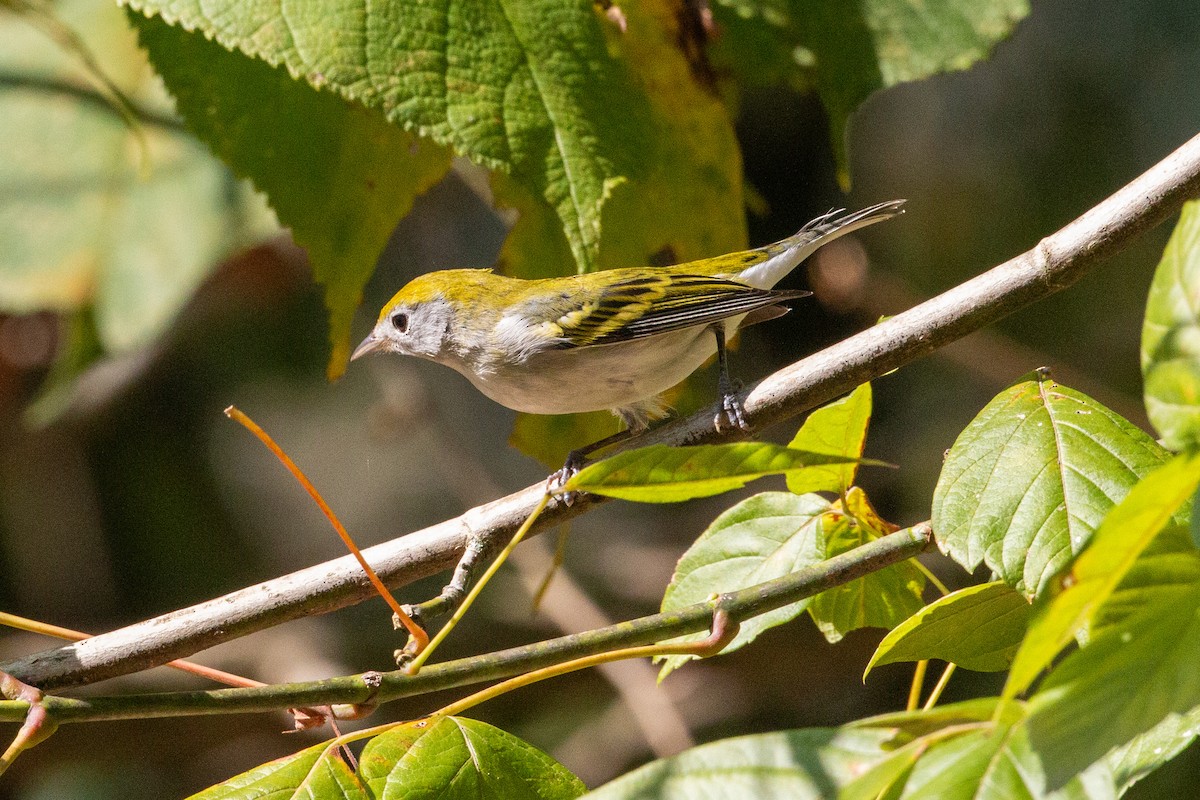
(421, 319)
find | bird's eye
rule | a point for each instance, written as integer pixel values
(400, 322)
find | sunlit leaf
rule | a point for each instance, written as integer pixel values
(318, 772)
(664, 474)
(763, 537)
(838, 428)
(1126, 532)
(1164, 573)
(456, 757)
(808, 764)
(1123, 683)
(1171, 336)
(1030, 479)
(979, 628)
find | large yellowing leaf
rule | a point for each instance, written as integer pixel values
(338, 174)
(526, 87)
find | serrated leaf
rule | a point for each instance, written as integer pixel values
(1030, 479)
(763, 537)
(1123, 683)
(837, 428)
(664, 474)
(318, 772)
(881, 599)
(92, 214)
(1126, 532)
(799, 765)
(338, 174)
(1171, 336)
(978, 628)
(528, 88)
(455, 757)
(852, 51)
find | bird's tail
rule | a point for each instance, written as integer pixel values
(784, 256)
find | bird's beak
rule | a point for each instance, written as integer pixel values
(368, 345)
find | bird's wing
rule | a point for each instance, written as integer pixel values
(650, 304)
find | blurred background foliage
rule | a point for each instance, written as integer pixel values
(131, 494)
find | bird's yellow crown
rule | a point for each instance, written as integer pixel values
(452, 284)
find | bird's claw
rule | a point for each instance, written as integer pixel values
(731, 411)
(558, 480)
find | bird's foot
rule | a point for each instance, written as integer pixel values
(558, 480)
(732, 414)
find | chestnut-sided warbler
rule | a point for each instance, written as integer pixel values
(615, 339)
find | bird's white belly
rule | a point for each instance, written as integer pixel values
(610, 376)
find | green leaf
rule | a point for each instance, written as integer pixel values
(457, 757)
(881, 599)
(964, 751)
(664, 474)
(338, 174)
(1030, 479)
(1164, 572)
(1122, 684)
(1126, 532)
(798, 765)
(92, 214)
(1142, 755)
(527, 88)
(316, 772)
(852, 50)
(908, 725)
(979, 628)
(1171, 336)
(838, 428)
(761, 538)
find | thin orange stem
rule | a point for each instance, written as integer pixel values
(414, 630)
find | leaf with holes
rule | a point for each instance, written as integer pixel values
(1032, 476)
(881, 599)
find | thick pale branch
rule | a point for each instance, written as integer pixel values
(356, 689)
(1056, 262)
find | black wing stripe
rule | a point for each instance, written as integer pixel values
(664, 320)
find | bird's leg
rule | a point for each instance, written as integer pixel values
(731, 408)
